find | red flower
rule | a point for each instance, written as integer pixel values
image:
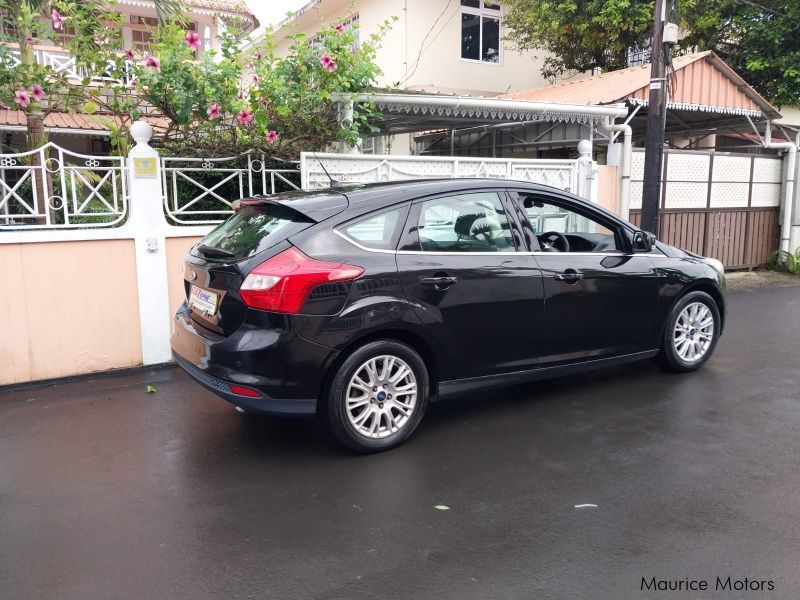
(214, 111)
(327, 62)
(272, 136)
(58, 20)
(340, 28)
(22, 98)
(152, 62)
(245, 117)
(129, 54)
(37, 93)
(192, 40)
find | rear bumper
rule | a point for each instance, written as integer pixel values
(263, 355)
(264, 404)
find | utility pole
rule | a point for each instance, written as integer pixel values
(656, 118)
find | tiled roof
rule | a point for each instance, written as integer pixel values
(703, 82)
(65, 121)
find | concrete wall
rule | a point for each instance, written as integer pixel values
(177, 249)
(72, 307)
(69, 308)
(607, 187)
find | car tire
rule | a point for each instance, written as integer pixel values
(368, 409)
(691, 333)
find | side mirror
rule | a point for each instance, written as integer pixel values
(643, 241)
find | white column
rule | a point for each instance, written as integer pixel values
(587, 173)
(148, 226)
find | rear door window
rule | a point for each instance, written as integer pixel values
(474, 222)
(253, 229)
(379, 231)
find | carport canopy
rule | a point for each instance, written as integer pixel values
(409, 112)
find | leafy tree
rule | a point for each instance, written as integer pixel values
(229, 102)
(579, 35)
(760, 40)
(757, 38)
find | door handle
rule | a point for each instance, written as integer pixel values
(568, 276)
(440, 282)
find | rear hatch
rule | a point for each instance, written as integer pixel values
(217, 265)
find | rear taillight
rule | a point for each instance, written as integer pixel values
(283, 283)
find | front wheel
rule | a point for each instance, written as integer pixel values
(377, 397)
(691, 333)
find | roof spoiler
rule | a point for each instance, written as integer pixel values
(312, 209)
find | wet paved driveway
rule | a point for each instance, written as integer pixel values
(109, 492)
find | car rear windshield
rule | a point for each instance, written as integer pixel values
(250, 231)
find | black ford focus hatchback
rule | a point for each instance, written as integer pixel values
(362, 304)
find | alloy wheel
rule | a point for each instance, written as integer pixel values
(381, 396)
(694, 332)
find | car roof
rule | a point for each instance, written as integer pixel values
(360, 197)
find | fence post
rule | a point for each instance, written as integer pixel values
(148, 226)
(587, 180)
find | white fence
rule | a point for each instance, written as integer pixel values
(575, 176)
(704, 179)
(200, 190)
(55, 188)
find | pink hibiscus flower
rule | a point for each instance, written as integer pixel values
(245, 117)
(58, 19)
(22, 98)
(327, 62)
(152, 62)
(272, 136)
(255, 79)
(214, 111)
(263, 102)
(37, 93)
(129, 54)
(192, 39)
(340, 28)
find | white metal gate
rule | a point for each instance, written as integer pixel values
(571, 175)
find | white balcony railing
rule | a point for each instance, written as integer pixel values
(62, 62)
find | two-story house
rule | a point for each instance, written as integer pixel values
(435, 46)
(88, 134)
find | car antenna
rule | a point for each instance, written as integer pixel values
(335, 184)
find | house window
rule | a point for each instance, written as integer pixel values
(480, 30)
(64, 35)
(142, 34)
(141, 39)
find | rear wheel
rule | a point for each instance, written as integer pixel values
(691, 333)
(377, 397)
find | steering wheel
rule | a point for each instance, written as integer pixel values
(554, 240)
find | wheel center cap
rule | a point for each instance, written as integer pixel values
(381, 396)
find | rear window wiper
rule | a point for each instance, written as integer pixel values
(213, 252)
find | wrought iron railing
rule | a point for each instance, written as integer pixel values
(200, 191)
(55, 188)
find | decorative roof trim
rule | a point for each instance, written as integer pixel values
(706, 108)
(499, 114)
(201, 10)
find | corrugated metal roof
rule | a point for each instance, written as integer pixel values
(703, 82)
